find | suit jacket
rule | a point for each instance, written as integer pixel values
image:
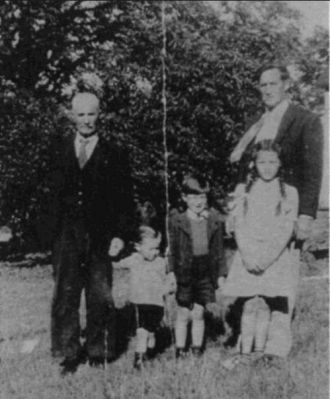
(181, 250)
(100, 195)
(301, 140)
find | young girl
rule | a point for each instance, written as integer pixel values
(264, 274)
(148, 285)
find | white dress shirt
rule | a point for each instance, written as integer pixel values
(90, 146)
(272, 120)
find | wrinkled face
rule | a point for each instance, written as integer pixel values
(148, 248)
(267, 164)
(197, 203)
(85, 109)
(272, 88)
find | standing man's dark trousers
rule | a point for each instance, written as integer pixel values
(79, 263)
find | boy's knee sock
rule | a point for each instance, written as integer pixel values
(181, 327)
(198, 326)
(197, 332)
(151, 340)
(141, 340)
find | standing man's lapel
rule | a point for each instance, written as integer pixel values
(287, 120)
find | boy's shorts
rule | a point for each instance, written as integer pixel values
(148, 316)
(200, 290)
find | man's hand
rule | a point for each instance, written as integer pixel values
(303, 228)
(116, 246)
(171, 283)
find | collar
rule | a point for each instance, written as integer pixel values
(279, 110)
(89, 140)
(193, 216)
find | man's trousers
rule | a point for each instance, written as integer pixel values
(79, 264)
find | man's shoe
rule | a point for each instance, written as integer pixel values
(70, 365)
(99, 361)
(96, 361)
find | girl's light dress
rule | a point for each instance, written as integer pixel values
(262, 235)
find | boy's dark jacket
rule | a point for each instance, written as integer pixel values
(181, 251)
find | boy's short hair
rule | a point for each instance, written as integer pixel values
(147, 232)
(195, 185)
(284, 73)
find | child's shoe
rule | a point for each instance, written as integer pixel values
(180, 353)
(139, 359)
(151, 353)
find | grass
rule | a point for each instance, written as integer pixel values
(25, 307)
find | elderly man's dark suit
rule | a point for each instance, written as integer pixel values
(300, 138)
(89, 207)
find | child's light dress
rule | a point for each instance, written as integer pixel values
(262, 235)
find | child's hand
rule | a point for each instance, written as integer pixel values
(116, 246)
(252, 267)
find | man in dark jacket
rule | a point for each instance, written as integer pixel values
(91, 199)
(299, 134)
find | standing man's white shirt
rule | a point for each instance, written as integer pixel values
(271, 122)
(90, 146)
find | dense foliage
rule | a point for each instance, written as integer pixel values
(212, 57)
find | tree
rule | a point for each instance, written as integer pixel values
(212, 59)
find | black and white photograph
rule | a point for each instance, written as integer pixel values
(164, 199)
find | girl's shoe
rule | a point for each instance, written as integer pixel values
(180, 353)
(139, 359)
(236, 360)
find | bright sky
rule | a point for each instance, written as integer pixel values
(314, 13)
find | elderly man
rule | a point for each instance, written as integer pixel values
(91, 201)
(298, 132)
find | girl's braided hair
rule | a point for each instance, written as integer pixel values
(264, 145)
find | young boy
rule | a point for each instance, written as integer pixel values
(197, 259)
(148, 285)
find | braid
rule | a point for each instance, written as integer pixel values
(250, 180)
(282, 192)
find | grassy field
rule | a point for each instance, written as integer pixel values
(28, 371)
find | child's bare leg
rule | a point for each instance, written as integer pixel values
(198, 325)
(181, 324)
(262, 325)
(141, 340)
(248, 325)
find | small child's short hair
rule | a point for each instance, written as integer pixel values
(195, 185)
(147, 232)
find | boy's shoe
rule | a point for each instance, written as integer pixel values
(180, 353)
(139, 359)
(151, 353)
(196, 351)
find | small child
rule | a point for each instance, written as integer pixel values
(148, 286)
(264, 274)
(197, 259)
